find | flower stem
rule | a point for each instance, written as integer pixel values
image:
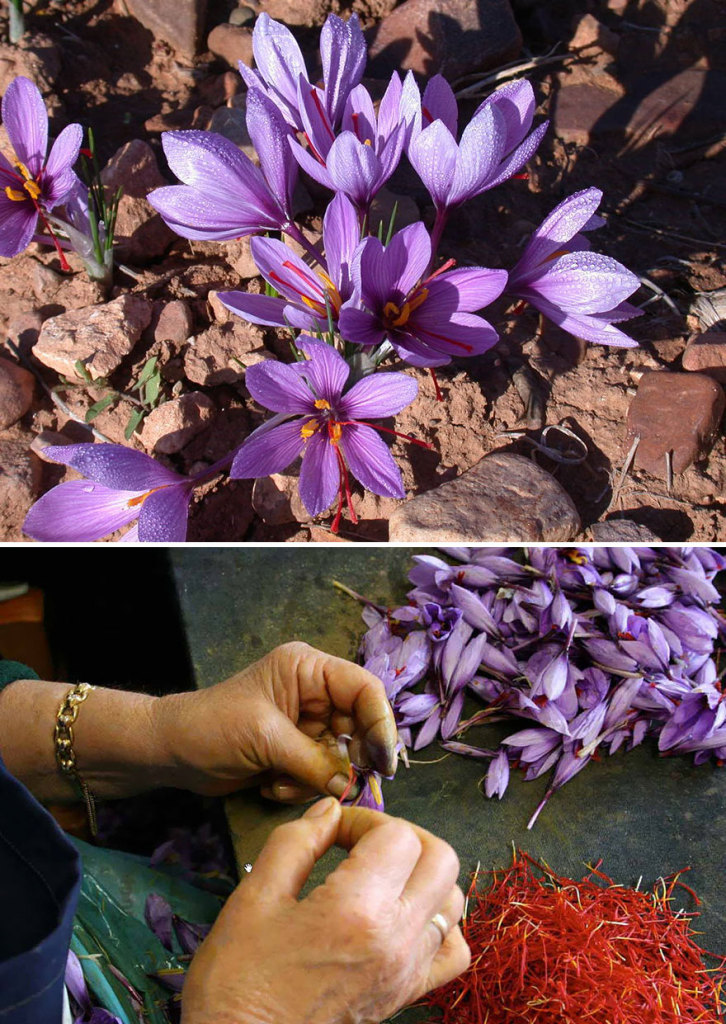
(294, 231)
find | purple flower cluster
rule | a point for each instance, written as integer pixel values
(595, 648)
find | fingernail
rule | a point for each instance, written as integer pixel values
(320, 808)
(338, 784)
(285, 791)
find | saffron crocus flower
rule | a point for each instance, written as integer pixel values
(121, 485)
(584, 293)
(280, 65)
(307, 295)
(495, 144)
(325, 425)
(31, 185)
(363, 157)
(224, 195)
(427, 320)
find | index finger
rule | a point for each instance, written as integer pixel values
(357, 692)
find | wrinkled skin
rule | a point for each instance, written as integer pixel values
(357, 949)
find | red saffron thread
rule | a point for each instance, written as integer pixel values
(551, 950)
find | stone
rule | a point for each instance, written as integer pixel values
(177, 22)
(674, 412)
(172, 425)
(20, 477)
(16, 392)
(232, 123)
(305, 13)
(589, 32)
(100, 336)
(276, 500)
(239, 256)
(502, 498)
(242, 16)
(381, 209)
(36, 56)
(23, 329)
(622, 531)
(449, 37)
(232, 43)
(46, 439)
(709, 309)
(581, 112)
(688, 103)
(141, 235)
(220, 354)
(706, 353)
(175, 323)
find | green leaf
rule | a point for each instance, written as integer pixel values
(99, 406)
(82, 372)
(151, 391)
(134, 420)
(147, 372)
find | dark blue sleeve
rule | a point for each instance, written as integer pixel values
(40, 878)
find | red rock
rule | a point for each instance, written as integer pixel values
(241, 16)
(232, 123)
(220, 354)
(298, 12)
(232, 43)
(239, 256)
(23, 329)
(589, 32)
(20, 475)
(622, 531)
(451, 37)
(706, 353)
(16, 392)
(502, 498)
(276, 500)
(689, 103)
(100, 336)
(674, 412)
(141, 235)
(382, 206)
(46, 439)
(178, 22)
(173, 424)
(175, 323)
(580, 111)
(36, 56)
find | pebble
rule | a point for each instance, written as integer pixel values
(305, 13)
(220, 354)
(589, 32)
(239, 256)
(178, 22)
(451, 37)
(16, 392)
(23, 329)
(232, 43)
(622, 531)
(172, 425)
(242, 16)
(20, 476)
(175, 323)
(381, 210)
(141, 235)
(276, 500)
(689, 103)
(581, 112)
(706, 353)
(100, 336)
(503, 497)
(36, 56)
(232, 123)
(676, 412)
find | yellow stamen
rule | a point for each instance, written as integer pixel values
(336, 432)
(33, 188)
(322, 403)
(24, 170)
(308, 429)
(141, 498)
(375, 789)
(15, 195)
(415, 302)
(555, 255)
(367, 142)
(318, 307)
(390, 310)
(398, 316)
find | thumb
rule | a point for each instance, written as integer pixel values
(289, 855)
(310, 762)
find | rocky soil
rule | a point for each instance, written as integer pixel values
(634, 89)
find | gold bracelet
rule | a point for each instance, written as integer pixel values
(65, 755)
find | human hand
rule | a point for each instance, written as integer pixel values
(355, 950)
(275, 724)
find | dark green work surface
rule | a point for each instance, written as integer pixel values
(643, 815)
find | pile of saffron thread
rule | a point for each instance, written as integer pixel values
(552, 950)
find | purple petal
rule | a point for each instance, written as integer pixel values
(199, 215)
(59, 178)
(76, 984)
(389, 109)
(261, 309)
(586, 282)
(521, 155)
(464, 335)
(190, 935)
(596, 328)
(381, 394)
(279, 387)
(163, 515)
(319, 475)
(26, 122)
(343, 57)
(498, 775)
(157, 914)
(360, 115)
(467, 751)
(18, 221)
(567, 218)
(360, 327)
(429, 730)
(439, 104)
(315, 123)
(515, 103)
(433, 155)
(353, 168)
(452, 718)
(341, 236)
(319, 172)
(371, 462)
(480, 152)
(406, 258)
(80, 511)
(114, 465)
(268, 451)
(269, 133)
(326, 370)
(286, 272)
(466, 290)
(279, 60)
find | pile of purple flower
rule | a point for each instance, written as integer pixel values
(359, 297)
(595, 648)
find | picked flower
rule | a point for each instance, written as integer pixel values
(224, 195)
(308, 296)
(582, 292)
(280, 65)
(427, 320)
(325, 425)
(121, 486)
(32, 185)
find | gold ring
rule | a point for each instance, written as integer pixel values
(441, 924)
